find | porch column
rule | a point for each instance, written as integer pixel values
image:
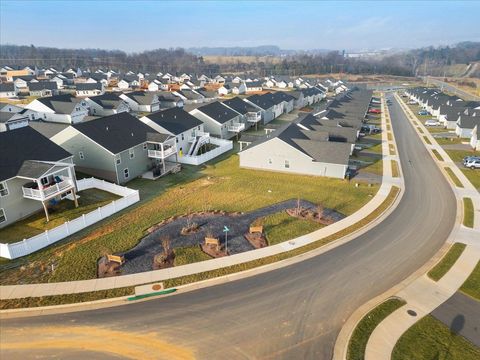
(75, 200)
(163, 158)
(46, 210)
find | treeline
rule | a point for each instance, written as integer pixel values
(410, 63)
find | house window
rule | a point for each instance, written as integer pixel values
(198, 127)
(270, 161)
(126, 173)
(176, 140)
(118, 159)
(145, 146)
(183, 137)
(287, 164)
(3, 189)
(3, 217)
(80, 155)
(44, 181)
(131, 153)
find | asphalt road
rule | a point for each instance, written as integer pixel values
(291, 313)
(453, 89)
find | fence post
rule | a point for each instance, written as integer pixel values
(26, 246)
(48, 237)
(68, 228)
(84, 221)
(100, 212)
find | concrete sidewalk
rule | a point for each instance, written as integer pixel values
(72, 287)
(424, 295)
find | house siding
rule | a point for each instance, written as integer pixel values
(277, 151)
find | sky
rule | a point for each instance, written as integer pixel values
(135, 26)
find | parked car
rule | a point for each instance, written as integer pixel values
(467, 159)
(431, 122)
(473, 164)
(423, 112)
(412, 102)
(374, 111)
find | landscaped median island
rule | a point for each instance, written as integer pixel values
(359, 339)
(431, 339)
(98, 295)
(437, 272)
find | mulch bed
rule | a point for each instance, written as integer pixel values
(212, 250)
(166, 264)
(257, 240)
(310, 214)
(107, 268)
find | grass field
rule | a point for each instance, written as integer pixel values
(468, 212)
(361, 334)
(64, 211)
(471, 286)
(473, 176)
(96, 295)
(431, 339)
(427, 141)
(458, 155)
(437, 272)
(188, 255)
(281, 227)
(220, 186)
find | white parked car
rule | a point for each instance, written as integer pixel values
(473, 164)
(431, 122)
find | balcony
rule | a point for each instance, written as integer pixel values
(48, 191)
(162, 154)
(236, 127)
(254, 117)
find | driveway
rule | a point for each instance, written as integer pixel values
(461, 314)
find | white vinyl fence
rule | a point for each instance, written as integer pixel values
(223, 146)
(35, 243)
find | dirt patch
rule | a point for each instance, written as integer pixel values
(257, 240)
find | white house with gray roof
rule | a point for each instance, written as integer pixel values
(65, 109)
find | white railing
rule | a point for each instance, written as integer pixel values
(236, 127)
(222, 147)
(159, 154)
(254, 117)
(37, 242)
(42, 194)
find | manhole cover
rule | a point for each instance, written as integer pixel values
(157, 287)
(411, 313)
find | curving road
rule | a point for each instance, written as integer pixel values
(291, 313)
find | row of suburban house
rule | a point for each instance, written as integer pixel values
(47, 82)
(317, 144)
(451, 111)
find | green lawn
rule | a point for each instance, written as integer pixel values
(221, 185)
(458, 155)
(63, 211)
(436, 130)
(427, 140)
(454, 177)
(471, 286)
(361, 334)
(281, 227)
(437, 272)
(468, 212)
(450, 140)
(189, 254)
(473, 176)
(431, 339)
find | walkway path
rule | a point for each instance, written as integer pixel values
(425, 295)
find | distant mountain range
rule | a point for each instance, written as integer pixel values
(263, 50)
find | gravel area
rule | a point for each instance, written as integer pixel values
(140, 258)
